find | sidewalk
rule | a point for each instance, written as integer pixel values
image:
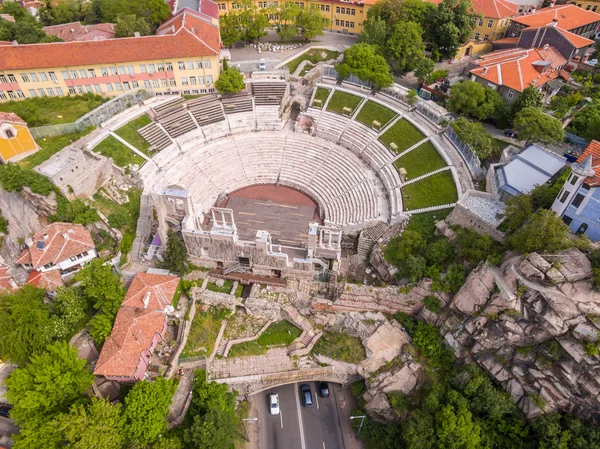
(346, 403)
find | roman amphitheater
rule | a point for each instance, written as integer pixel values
(276, 182)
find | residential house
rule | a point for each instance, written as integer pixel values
(578, 202)
(56, 252)
(16, 140)
(141, 323)
(75, 31)
(511, 71)
(182, 56)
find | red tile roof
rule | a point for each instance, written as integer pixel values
(515, 68)
(195, 37)
(593, 149)
(494, 9)
(48, 280)
(132, 334)
(55, 243)
(151, 291)
(75, 31)
(567, 17)
(10, 117)
(6, 281)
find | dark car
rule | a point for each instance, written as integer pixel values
(510, 133)
(306, 395)
(323, 390)
(5, 410)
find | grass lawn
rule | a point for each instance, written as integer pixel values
(50, 146)
(374, 111)
(130, 210)
(227, 286)
(313, 56)
(421, 160)
(121, 155)
(340, 346)
(403, 134)
(433, 191)
(341, 100)
(40, 111)
(130, 134)
(281, 333)
(322, 94)
(203, 332)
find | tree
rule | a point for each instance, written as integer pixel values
(535, 126)
(311, 23)
(214, 430)
(476, 136)
(439, 252)
(230, 81)
(405, 47)
(586, 122)
(424, 68)
(544, 231)
(474, 100)
(176, 254)
(25, 324)
(409, 243)
(434, 76)
(286, 22)
(154, 12)
(518, 210)
(102, 286)
(413, 268)
(455, 428)
(455, 277)
(451, 25)
(128, 24)
(387, 10)
(374, 32)
(70, 308)
(101, 326)
(230, 29)
(251, 21)
(146, 410)
(473, 247)
(417, 11)
(412, 97)
(363, 61)
(48, 385)
(529, 98)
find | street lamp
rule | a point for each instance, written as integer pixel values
(246, 429)
(362, 420)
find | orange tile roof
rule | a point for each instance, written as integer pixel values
(132, 334)
(593, 149)
(75, 31)
(151, 291)
(194, 38)
(10, 117)
(567, 17)
(55, 243)
(515, 68)
(6, 281)
(48, 280)
(494, 9)
(507, 40)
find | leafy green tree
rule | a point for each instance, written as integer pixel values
(128, 24)
(451, 25)
(518, 210)
(39, 434)
(25, 324)
(473, 247)
(387, 10)
(405, 47)
(146, 410)
(363, 61)
(535, 126)
(311, 23)
(529, 98)
(439, 252)
(544, 231)
(55, 13)
(117, 220)
(153, 12)
(172, 441)
(455, 277)
(230, 29)
(213, 430)
(424, 69)
(230, 81)
(456, 428)
(70, 308)
(176, 254)
(432, 304)
(413, 268)
(252, 22)
(586, 122)
(17, 11)
(374, 32)
(102, 286)
(474, 100)
(101, 326)
(476, 136)
(75, 211)
(417, 11)
(409, 243)
(286, 22)
(48, 385)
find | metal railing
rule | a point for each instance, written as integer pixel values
(467, 153)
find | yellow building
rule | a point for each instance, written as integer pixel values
(182, 57)
(342, 16)
(15, 139)
(588, 5)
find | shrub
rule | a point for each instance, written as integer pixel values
(432, 304)
(3, 224)
(117, 220)
(357, 388)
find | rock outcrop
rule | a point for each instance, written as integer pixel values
(533, 324)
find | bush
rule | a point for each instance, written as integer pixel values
(439, 252)
(357, 388)
(432, 304)
(117, 220)
(3, 224)
(74, 212)
(13, 178)
(473, 247)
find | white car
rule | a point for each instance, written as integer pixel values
(262, 65)
(274, 404)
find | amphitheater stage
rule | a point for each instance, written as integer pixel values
(283, 211)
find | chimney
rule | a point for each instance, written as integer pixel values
(15, 43)
(554, 22)
(546, 46)
(72, 30)
(147, 299)
(136, 34)
(552, 3)
(484, 71)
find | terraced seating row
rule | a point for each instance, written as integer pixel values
(177, 121)
(331, 126)
(206, 110)
(238, 102)
(176, 100)
(155, 136)
(242, 122)
(267, 118)
(357, 136)
(268, 92)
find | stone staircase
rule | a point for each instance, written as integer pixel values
(369, 236)
(222, 347)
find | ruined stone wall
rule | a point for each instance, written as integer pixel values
(461, 216)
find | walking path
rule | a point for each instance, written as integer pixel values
(274, 361)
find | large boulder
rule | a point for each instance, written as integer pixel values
(476, 290)
(384, 345)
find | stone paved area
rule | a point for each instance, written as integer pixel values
(275, 361)
(346, 403)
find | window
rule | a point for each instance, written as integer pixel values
(486, 37)
(71, 90)
(184, 81)
(578, 200)
(337, 9)
(126, 86)
(581, 229)
(351, 24)
(122, 70)
(169, 66)
(65, 74)
(109, 88)
(588, 7)
(573, 179)
(151, 68)
(82, 74)
(207, 63)
(118, 86)
(222, 7)
(172, 82)
(155, 83)
(209, 79)
(476, 36)
(20, 94)
(200, 80)
(490, 23)
(567, 220)
(2, 96)
(594, 8)
(181, 65)
(113, 70)
(198, 64)
(50, 92)
(59, 91)
(564, 197)
(142, 68)
(160, 66)
(43, 76)
(193, 80)
(135, 84)
(104, 71)
(3, 79)
(32, 93)
(11, 94)
(147, 84)
(352, 12)
(24, 77)
(164, 83)
(130, 70)
(12, 78)
(190, 65)
(33, 77)
(80, 89)
(41, 92)
(510, 94)
(480, 22)
(52, 76)
(97, 88)
(9, 134)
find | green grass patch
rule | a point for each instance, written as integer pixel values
(239, 290)
(40, 111)
(129, 132)
(49, 146)
(423, 159)
(120, 154)
(341, 100)
(403, 134)
(432, 191)
(374, 111)
(227, 286)
(203, 332)
(322, 94)
(340, 346)
(281, 333)
(313, 56)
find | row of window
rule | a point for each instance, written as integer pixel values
(346, 24)
(588, 7)
(347, 11)
(193, 80)
(323, 8)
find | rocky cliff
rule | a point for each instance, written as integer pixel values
(533, 323)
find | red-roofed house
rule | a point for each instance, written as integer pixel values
(75, 31)
(566, 17)
(511, 71)
(61, 248)
(184, 53)
(140, 325)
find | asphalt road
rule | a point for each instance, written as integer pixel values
(298, 427)
(7, 427)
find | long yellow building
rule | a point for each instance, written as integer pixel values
(182, 57)
(588, 5)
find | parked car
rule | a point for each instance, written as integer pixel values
(323, 389)
(510, 133)
(5, 410)
(262, 64)
(306, 395)
(274, 404)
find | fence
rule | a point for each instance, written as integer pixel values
(95, 117)
(467, 154)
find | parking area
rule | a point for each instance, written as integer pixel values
(297, 426)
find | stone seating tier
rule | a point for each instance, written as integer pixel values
(155, 136)
(270, 92)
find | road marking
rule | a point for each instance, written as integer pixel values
(281, 418)
(323, 444)
(317, 397)
(299, 417)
